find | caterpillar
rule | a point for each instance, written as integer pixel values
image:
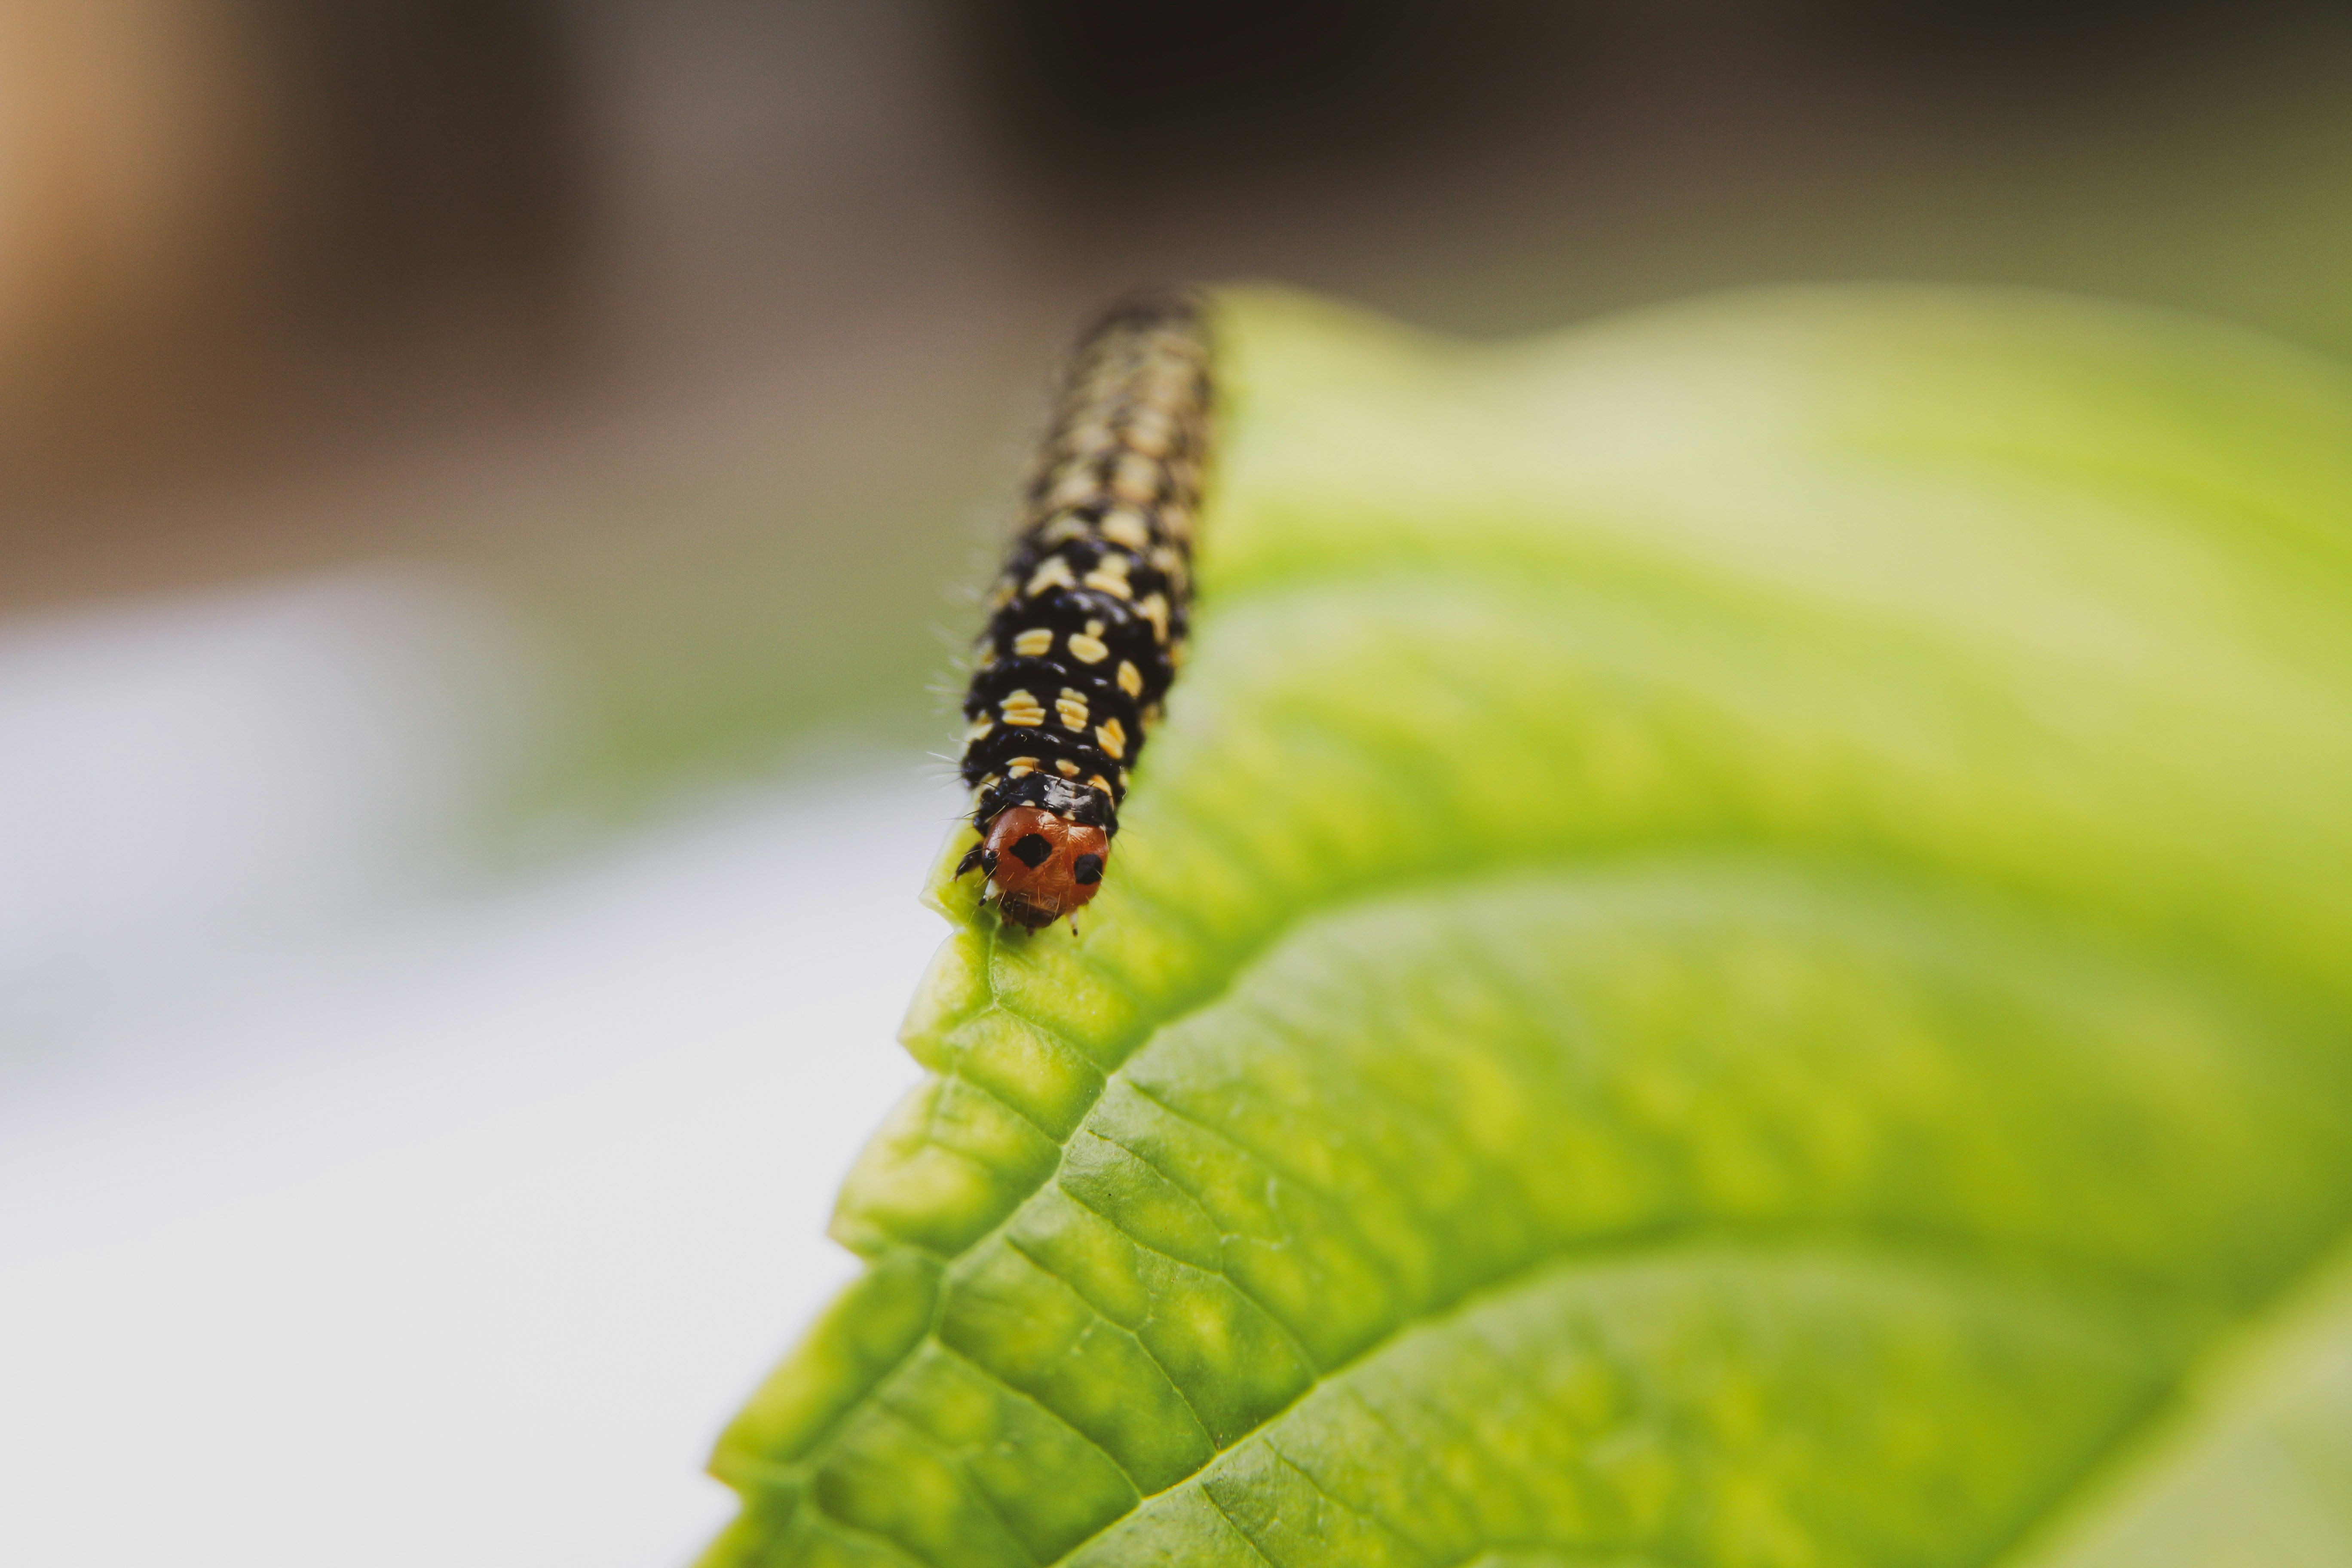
(1087, 620)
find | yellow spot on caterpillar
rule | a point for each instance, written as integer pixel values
(1135, 478)
(1021, 767)
(1124, 526)
(1112, 734)
(1148, 433)
(1069, 769)
(1088, 649)
(1053, 573)
(1174, 346)
(1034, 642)
(979, 727)
(1171, 564)
(1131, 679)
(1100, 783)
(1094, 628)
(1154, 609)
(1064, 527)
(1175, 522)
(1123, 780)
(1020, 708)
(990, 783)
(1111, 576)
(1072, 706)
(1001, 595)
(1074, 489)
(1150, 718)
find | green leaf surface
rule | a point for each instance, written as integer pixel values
(1734, 951)
(2251, 1468)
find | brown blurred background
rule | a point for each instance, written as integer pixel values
(704, 333)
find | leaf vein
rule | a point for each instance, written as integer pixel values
(1342, 1504)
(992, 1376)
(1220, 1272)
(1132, 1337)
(1233, 1524)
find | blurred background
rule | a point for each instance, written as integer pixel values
(485, 493)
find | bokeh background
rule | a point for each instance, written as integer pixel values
(485, 493)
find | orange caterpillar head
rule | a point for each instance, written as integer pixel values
(1041, 867)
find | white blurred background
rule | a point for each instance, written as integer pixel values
(483, 490)
(358, 1207)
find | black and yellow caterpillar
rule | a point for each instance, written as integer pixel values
(1089, 617)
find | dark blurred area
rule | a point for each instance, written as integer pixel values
(703, 334)
(1117, 101)
(240, 227)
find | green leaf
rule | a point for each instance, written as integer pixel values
(1733, 952)
(2251, 1468)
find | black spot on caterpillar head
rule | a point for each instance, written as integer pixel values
(1037, 883)
(1088, 617)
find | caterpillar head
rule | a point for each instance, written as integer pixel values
(1041, 866)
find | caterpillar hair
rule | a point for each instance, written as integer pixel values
(1087, 620)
